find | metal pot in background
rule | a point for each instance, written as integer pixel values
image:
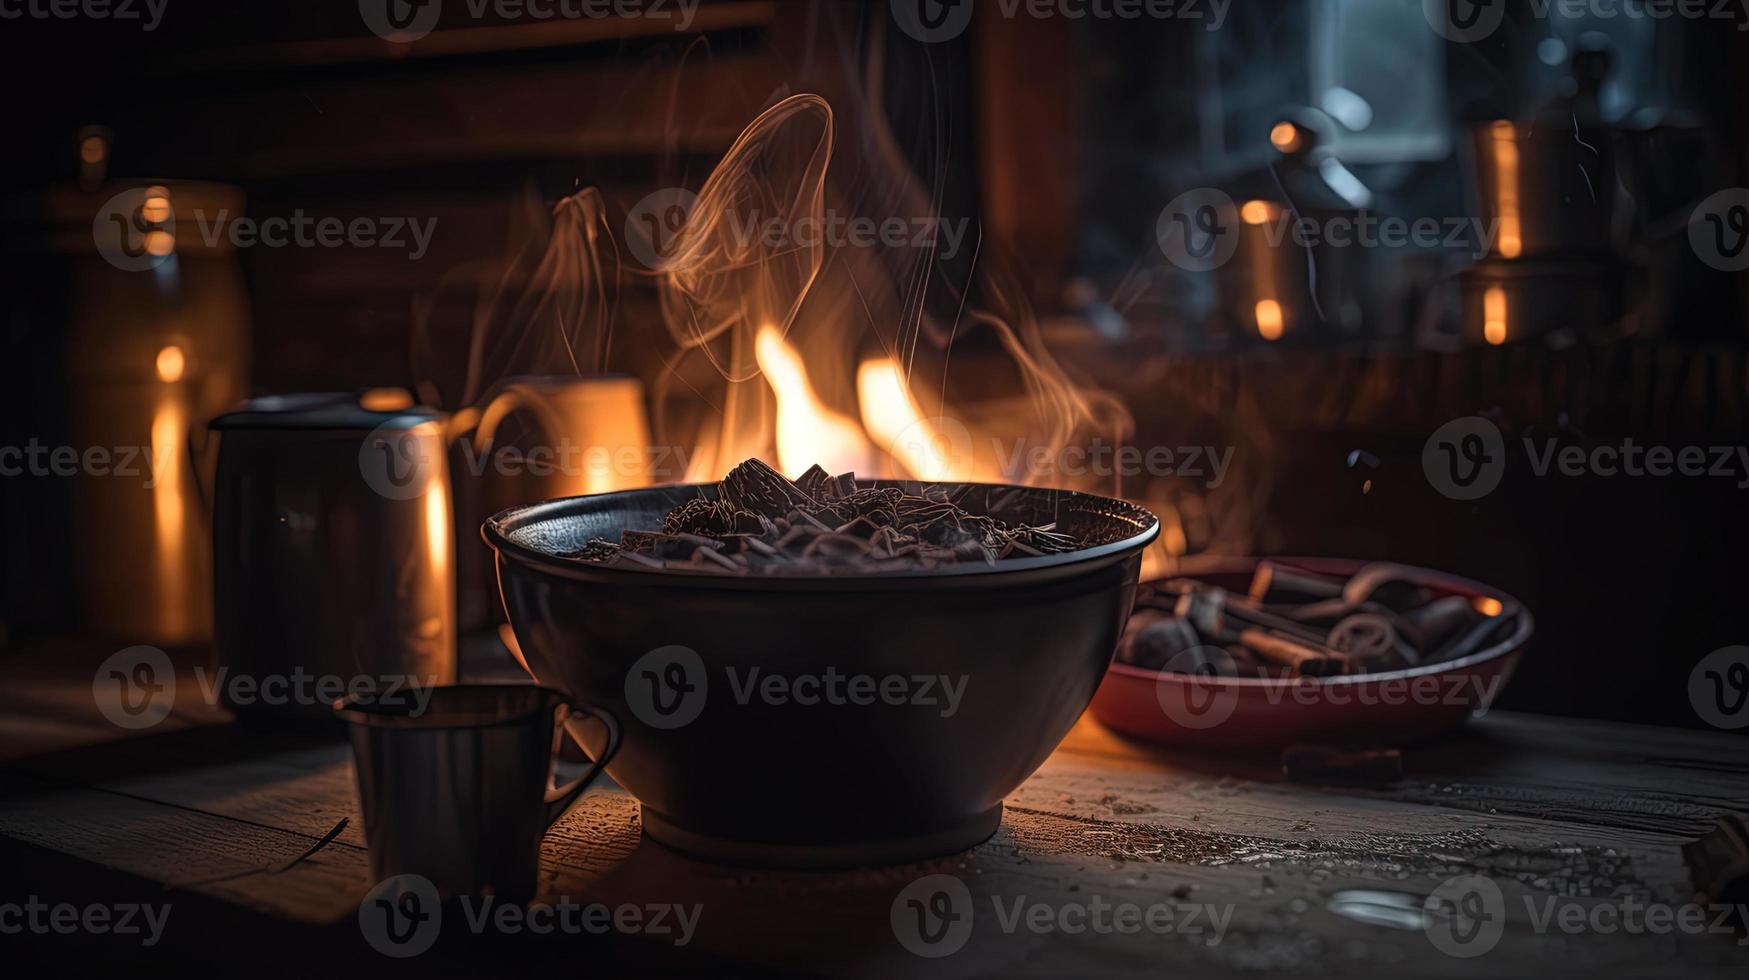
(333, 550)
(1549, 189)
(1547, 186)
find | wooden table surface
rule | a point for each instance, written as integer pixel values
(200, 813)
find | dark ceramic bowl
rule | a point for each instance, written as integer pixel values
(785, 720)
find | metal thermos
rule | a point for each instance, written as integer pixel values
(333, 552)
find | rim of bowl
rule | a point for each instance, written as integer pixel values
(499, 526)
(1427, 576)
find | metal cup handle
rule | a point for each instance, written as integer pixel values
(560, 798)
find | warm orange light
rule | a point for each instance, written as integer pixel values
(1269, 319)
(1487, 605)
(438, 526)
(386, 400)
(1494, 315)
(807, 431)
(1285, 136)
(169, 463)
(1505, 143)
(157, 205)
(1256, 212)
(895, 422)
(1172, 536)
(160, 243)
(92, 149)
(171, 363)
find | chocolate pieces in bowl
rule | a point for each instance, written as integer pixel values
(761, 523)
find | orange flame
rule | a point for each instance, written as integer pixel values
(807, 431)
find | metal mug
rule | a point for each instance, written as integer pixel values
(457, 783)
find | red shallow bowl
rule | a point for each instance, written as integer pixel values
(1255, 712)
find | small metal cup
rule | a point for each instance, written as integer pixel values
(460, 788)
